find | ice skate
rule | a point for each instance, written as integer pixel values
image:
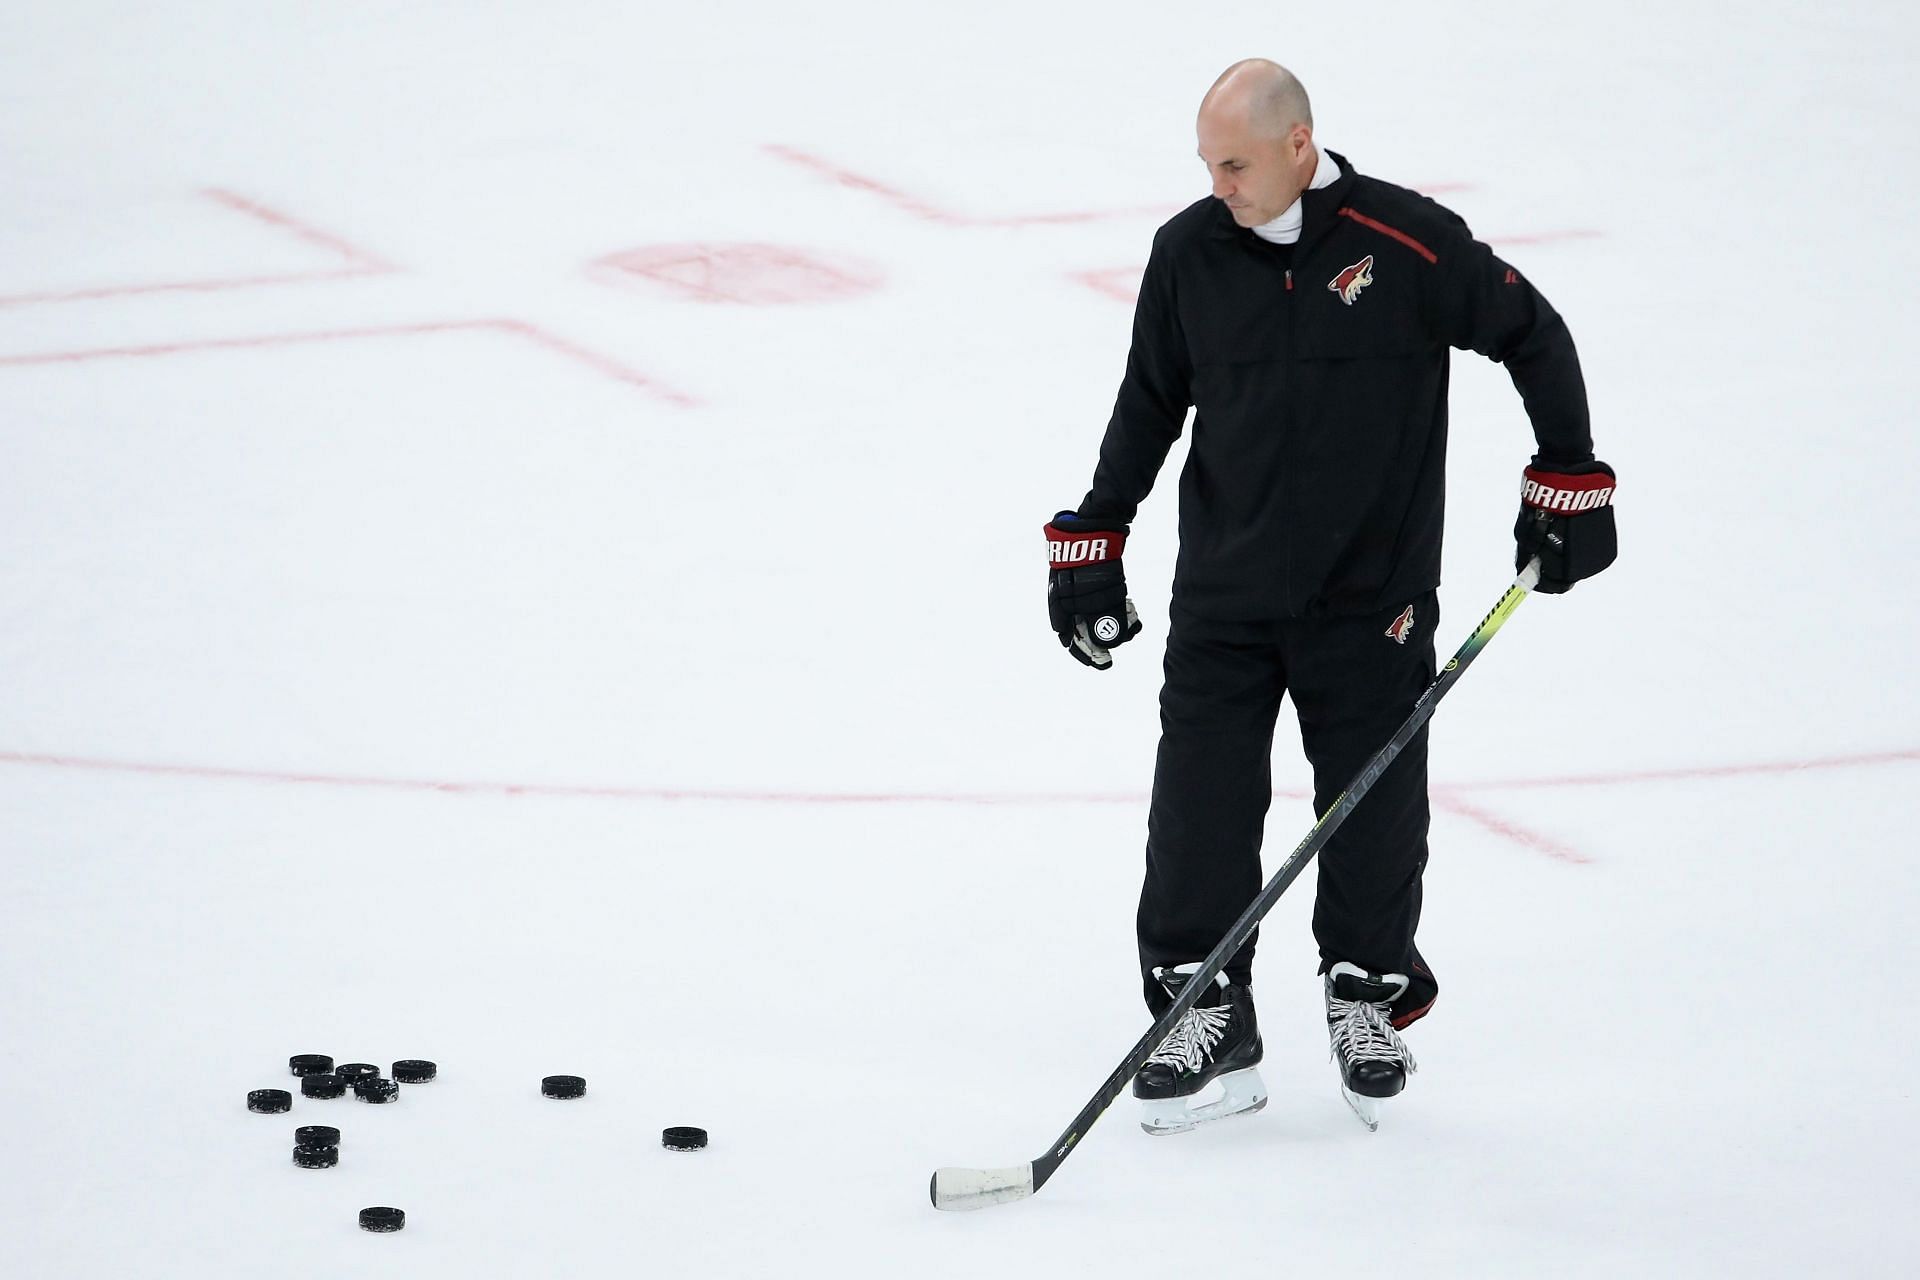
(1216, 1043)
(1374, 1061)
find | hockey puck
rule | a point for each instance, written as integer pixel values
(353, 1072)
(381, 1218)
(376, 1089)
(326, 1086)
(414, 1071)
(310, 1064)
(683, 1138)
(268, 1102)
(563, 1086)
(316, 1157)
(316, 1135)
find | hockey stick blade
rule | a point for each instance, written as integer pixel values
(959, 1190)
(956, 1189)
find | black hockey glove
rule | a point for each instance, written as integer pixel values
(1086, 588)
(1566, 518)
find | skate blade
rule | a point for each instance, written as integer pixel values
(1368, 1109)
(1241, 1094)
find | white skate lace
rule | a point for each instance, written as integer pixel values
(1362, 1032)
(1188, 1045)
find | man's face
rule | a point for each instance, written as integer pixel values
(1256, 177)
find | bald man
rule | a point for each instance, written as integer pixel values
(1305, 312)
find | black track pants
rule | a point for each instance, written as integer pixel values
(1353, 685)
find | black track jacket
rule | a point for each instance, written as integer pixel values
(1316, 478)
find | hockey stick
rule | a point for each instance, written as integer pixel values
(956, 1189)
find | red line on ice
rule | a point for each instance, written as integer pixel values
(97, 765)
(1122, 284)
(594, 360)
(1444, 792)
(286, 222)
(187, 286)
(1444, 798)
(518, 328)
(359, 262)
(927, 211)
(847, 178)
(1700, 771)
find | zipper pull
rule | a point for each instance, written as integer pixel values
(1289, 279)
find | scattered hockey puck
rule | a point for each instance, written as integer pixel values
(381, 1218)
(683, 1138)
(316, 1135)
(414, 1071)
(325, 1086)
(316, 1157)
(353, 1072)
(376, 1089)
(268, 1102)
(563, 1086)
(310, 1064)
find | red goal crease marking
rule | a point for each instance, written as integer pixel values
(359, 263)
(517, 328)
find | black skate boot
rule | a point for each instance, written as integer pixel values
(1374, 1062)
(1218, 1039)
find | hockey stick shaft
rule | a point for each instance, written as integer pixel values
(979, 1188)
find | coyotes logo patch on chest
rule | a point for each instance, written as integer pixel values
(1351, 281)
(1402, 626)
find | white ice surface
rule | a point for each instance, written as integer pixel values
(858, 898)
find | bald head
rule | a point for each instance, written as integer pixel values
(1263, 96)
(1256, 139)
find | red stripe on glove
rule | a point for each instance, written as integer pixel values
(1562, 494)
(1070, 549)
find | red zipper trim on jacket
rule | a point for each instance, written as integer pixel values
(1347, 211)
